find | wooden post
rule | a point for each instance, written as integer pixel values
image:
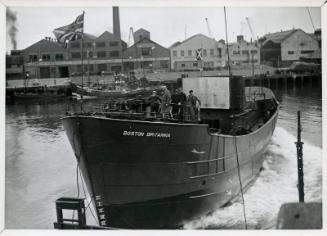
(300, 159)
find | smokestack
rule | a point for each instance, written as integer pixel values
(116, 23)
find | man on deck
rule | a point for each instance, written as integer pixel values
(192, 102)
(165, 104)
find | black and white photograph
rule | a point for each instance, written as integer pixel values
(162, 115)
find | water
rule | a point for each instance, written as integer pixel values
(40, 166)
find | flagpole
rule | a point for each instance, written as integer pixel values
(82, 56)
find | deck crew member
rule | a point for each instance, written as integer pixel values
(181, 101)
(165, 103)
(155, 102)
(174, 102)
(193, 104)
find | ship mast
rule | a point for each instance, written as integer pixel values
(228, 62)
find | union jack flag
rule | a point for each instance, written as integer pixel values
(70, 32)
(199, 54)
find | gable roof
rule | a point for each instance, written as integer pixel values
(45, 46)
(141, 30)
(190, 38)
(278, 37)
(107, 35)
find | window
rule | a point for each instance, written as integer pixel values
(113, 44)
(245, 52)
(90, 54)
(189, 53)
(219, 52)
(91, 67)
(236, 52)
(290, 52)
(195, 64)
(75, 45)
(46, 57)
(204, 52)
(114, 54)
(182, 65)
(33, 58)
(59, 57)
(175, 53)
(212, 52)
(100, 44)
(164, 64)
(44, 72)
(101, 54)
(306, 51)
(88, 44)
(254, 52)
(76, 55)
(146, 51)
(182, 53)
(102, 67)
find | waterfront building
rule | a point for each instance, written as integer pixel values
(141, 34)
(14, 65)
(102, 54)
(46, 59)
(285, 47)
(198, 52)
(146, 55)
(243, 53)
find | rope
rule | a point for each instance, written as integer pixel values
(77, 184)
(88, 205)
(240, 180)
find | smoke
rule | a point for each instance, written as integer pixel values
(11, 27)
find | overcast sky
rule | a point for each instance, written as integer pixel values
(166, 24)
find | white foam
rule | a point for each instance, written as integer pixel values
(276, 184)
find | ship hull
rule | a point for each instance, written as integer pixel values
(159, 175)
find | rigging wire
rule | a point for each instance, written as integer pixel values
(311, 19)
(88, 205)
(240, 180)
(229, 70)
(77, 184)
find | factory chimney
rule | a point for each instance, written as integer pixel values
(116, 23)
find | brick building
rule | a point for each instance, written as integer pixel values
(146, 56)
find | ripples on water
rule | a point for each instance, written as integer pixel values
(40, 166)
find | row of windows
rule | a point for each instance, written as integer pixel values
(100, 54)
(190, 52)
(45, 57)
(245, 52)
(302, 52)
(96, 44)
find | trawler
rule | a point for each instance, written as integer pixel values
(146, 170)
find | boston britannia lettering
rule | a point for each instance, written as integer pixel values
(148, 134)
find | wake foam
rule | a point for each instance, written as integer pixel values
(276, 184)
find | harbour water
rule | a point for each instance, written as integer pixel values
(40, 166)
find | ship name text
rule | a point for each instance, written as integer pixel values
(146, 134)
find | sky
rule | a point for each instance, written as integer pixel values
(167, 25)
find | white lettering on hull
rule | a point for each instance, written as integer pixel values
(146, 134)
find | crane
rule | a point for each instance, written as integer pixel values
(131, 36)
(209, 31)
(250, 27)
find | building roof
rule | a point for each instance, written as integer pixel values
(141, 30)
(190, 38)
(45, 45)
(134, 51)
(90, 36)
(278, 37)
(175, 44)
